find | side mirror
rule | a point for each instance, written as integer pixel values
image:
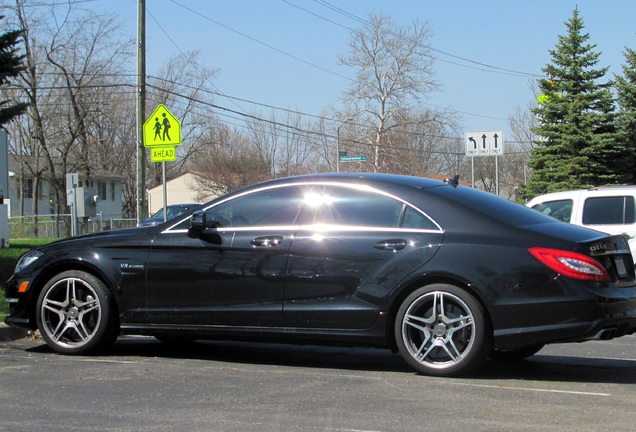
(200, 228)
(197, 224)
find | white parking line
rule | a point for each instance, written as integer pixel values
(540, 390)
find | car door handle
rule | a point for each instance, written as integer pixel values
(268, 241)
(393, 245)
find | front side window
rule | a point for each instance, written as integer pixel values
(268, 207)
(560, 209)
(616, 210)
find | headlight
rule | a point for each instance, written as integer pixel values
(27, 259)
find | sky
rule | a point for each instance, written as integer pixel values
(284, 53)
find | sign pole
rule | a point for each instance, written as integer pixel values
(165, 193)
(497, 174)
(141, 109)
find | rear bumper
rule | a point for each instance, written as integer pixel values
(585, 316)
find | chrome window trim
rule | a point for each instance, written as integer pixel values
(360, 187)
(317, 228)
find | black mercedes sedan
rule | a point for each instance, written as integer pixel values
(444, 274)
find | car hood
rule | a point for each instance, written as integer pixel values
(118, 236)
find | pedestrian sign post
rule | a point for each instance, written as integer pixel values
(162, 132)
(162, 129)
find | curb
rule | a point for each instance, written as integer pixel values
(9, 333)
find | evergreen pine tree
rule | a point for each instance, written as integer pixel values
(10, 67)
(578, 146)
(626, 91)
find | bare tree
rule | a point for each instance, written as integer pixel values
(521, 123)
(183, 86)
(227, 161)
(73, 59)
(87, 53)
(394, 71)
(288, 144)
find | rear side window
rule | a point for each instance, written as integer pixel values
(615, 210)
(561, 209)
(413, 219)
(347, 206)
(344, 206)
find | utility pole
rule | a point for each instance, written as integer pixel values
(141, 109)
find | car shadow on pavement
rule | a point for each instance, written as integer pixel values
(561, 368)
(309, 356)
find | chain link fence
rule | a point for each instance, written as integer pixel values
(59, 225)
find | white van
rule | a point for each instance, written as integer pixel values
(610, 209)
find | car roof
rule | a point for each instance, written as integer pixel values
(366, 178)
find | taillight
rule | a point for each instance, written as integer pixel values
(571, 264)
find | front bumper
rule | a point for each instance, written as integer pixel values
(20, 314)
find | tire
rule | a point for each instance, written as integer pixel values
(512, 355)
(441, 330)
(76, 314)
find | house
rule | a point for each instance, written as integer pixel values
(22, 183)
(183, 189)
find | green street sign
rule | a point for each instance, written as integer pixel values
(352, 158)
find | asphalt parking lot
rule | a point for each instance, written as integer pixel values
(143, 384)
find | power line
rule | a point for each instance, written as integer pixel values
(300, 130)
(261, 42)
(179, 49)
(495, 69)
(64, 3)
(341, 11)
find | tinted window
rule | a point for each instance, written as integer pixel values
(609, 211)
(278, 206)
(342, 206)
(416, 220)
(561, 209)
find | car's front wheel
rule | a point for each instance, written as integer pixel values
(76, 313)
(441, 330)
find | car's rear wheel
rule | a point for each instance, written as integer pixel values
(441, 330)
(76, 313)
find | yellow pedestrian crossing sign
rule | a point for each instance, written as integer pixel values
(162, 129)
